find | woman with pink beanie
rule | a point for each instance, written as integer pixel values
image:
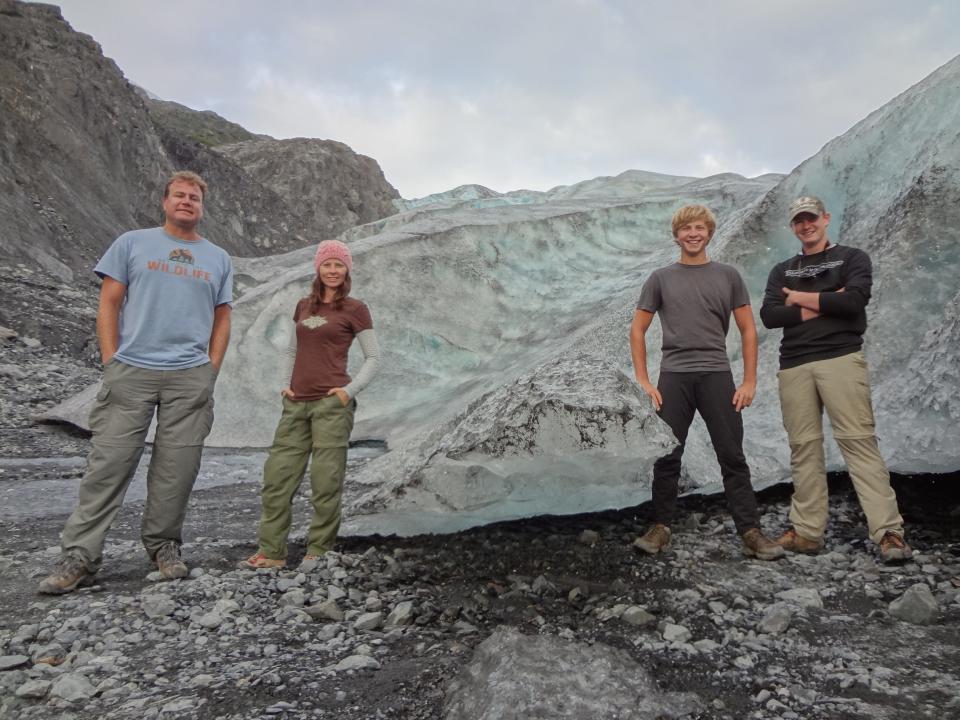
(318, 408)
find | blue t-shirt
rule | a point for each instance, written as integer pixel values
(173, 287)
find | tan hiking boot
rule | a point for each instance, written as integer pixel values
(68, 574)
(793, 542)
(893, 549)
(169, 563)
(656, 539)
(758, 545)
(259, 561)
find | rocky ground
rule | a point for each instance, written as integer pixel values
(434, 626)
(381, 628)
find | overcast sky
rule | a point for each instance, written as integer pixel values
(533, 93)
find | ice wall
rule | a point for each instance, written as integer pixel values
(464, 299)
(507, 388)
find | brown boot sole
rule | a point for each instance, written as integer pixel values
(770, 555)
(649, 549)
(84, 581)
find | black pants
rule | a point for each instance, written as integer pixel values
(710, 393)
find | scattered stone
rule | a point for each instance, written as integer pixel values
(293, 598)
(462, 627)
(325, 611)
(308, 566)
(776, 619)
(178, 706)
(368, 621)
(48, 654)
(402, 614)
(676, 633)
(542, 586)
(202, 680)
(72, 687)
(917, 606)
(357, 662)
(804, 597)
(638, 616)
(157, 605)
(210, 620)
(512, 675)
(589, 537)
(34, 689)
(706, 645)
(9, 662)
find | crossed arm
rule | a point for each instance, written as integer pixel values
(783, 307)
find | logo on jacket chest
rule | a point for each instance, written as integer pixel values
(811, 271)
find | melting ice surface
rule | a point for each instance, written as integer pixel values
(507, 388)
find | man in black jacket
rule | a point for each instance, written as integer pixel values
(819, 298)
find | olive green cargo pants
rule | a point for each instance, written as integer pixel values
(314, 430)
(120, 419)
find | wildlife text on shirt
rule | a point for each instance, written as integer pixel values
(179, 262)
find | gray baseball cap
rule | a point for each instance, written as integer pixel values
(806, 204)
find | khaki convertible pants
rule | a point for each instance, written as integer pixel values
(120, 418)
(314, 430)
(842, 386)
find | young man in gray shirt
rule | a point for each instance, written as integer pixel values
(695, 298)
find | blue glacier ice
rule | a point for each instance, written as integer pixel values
(507, 388)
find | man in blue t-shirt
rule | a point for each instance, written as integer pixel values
(163, 324)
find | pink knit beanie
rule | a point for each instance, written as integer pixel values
(333, 250)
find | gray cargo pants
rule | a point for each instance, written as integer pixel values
(120, 418)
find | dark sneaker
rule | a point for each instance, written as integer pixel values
(793, 542)
(893, 549)
(656, 539)
(68, 574)
(169, 562)
(758, 545)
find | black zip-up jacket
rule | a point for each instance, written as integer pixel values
(843, 317)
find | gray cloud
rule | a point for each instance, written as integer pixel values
(534, 94)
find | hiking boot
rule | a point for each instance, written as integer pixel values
(893, 549)
(758, 545)
(793, 542)
(656, 539)
(259, 561)
(169, 562)
(68, 574)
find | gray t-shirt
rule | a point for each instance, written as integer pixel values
(694, 303)
(173, 287)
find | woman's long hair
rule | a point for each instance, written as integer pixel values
(316, 294)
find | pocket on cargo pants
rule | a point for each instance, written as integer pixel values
(332, 422)
(124, 405)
